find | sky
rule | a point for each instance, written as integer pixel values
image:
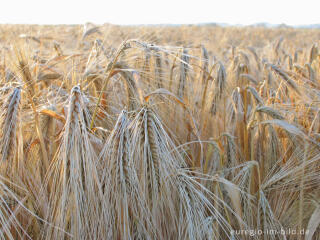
(127, 12)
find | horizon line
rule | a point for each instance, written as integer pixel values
(220, 24)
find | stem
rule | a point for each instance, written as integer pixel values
(111, 73)
(42, 145)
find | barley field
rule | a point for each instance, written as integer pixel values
(159, 132)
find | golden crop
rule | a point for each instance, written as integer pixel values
(159, 132)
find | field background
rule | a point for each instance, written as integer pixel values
(159, 132)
